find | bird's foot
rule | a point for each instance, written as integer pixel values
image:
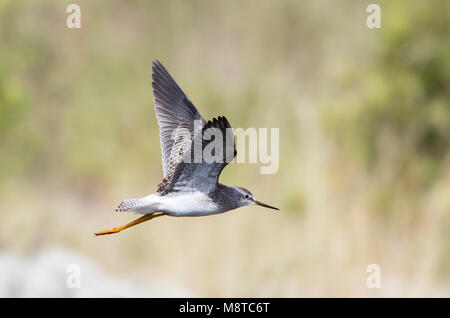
(143, 218)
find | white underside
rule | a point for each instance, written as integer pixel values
(177, 204)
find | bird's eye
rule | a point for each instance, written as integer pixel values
(246, 196)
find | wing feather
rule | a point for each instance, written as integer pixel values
(190, 175)
(176, 117)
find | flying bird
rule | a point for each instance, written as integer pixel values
(190, 186)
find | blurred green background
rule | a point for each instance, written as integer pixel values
(364, 118)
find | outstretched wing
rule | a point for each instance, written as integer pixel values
(176, 117)
(210, 151)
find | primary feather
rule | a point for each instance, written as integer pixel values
(176, 117)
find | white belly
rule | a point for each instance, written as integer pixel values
(182, 204)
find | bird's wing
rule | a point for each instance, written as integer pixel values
(205, 159)
(176, 118)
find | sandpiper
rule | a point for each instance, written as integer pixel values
(190, 187)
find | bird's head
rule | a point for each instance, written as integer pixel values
(245, 197)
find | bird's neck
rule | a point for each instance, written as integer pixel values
(225, 196)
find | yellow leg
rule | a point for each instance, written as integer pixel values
(143, 218)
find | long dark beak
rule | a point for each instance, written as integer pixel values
(265, 205)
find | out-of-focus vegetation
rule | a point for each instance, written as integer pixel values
(364, 118)
(402, 94)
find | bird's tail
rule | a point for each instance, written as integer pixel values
(143, 205)
(130, 205)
